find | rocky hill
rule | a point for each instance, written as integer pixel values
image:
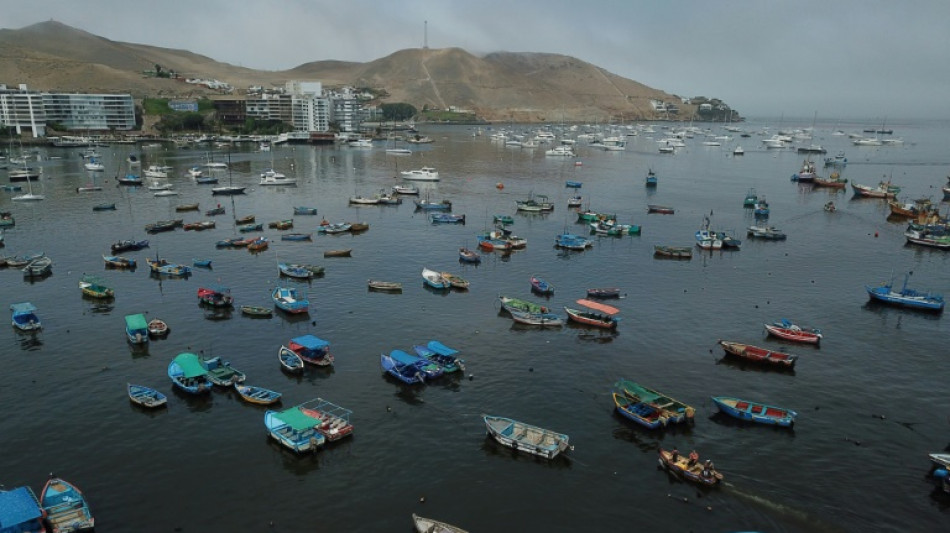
(521, 87)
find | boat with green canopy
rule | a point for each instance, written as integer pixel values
(294, 429)
(136, 328)
(95, 287)
(188, 374)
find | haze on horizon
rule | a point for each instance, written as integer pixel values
(848, 59)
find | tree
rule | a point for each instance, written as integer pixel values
(398, 111)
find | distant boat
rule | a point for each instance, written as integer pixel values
(378, 285)
(434, 279)
(422, 174)
(785, 330)
(136, 329)
(146, 396)
(661, 209)
(290, 299)
(905, 297)
(536, 319)
(469, 256)
(539, 286)
(24, 317)
(758, 355)
(305, 210)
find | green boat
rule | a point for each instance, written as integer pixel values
(751, 198)
(675, 410)
(136, 328)
(510, 304)
(95, 287)
(505, 220)
(590, 216)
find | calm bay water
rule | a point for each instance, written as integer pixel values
(872, 400)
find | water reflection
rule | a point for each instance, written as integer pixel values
(728, 421)
(744, 366)
(493, 448)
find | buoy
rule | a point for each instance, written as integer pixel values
(578, 164)
(875, 234)
(499, 185)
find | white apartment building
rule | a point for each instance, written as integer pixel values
(22, 110)
(27, 110)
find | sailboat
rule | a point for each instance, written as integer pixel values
(393, 150)
(28, 197)
(230, 188)
(90, 187)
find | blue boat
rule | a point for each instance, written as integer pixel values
(643, 413)
(294, 430)
(296, 237)
(435, 279)
(201, 263)
(161, 267)
(290, 299)
(104, 207)
(20, 511)
(443, 355)
(136, 329)
(761, 208)
(311, 349)
(572, 242)
(755, 412)
(927, 301)
(429, 368)
(539, 286)
(24, 317)
(446, 218)
(206, 180)
(294, 270)
(247, 228)
(129, 179)
(305, 210)
(426, 205)
(66, 507)
(651, 179)
(146, 396)
(188, 374)
(573, 184)
(405, 373)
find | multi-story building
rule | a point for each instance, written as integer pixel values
(93, 112)
(346, 110)
(22, 110)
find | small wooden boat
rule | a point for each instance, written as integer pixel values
(162, 267)
(426, 205)
(334, 229)
(157, 328)
(573, 184)
(290, 300)
(293, 430)
(660, 209)
(389, 286)
(643, 413)
(514, 304)
(247, 228)
(338, 253)
(673, 252)
(128, 245)
(526, 438)
(457, 282)
(259, 244)
(446, 218)
(791, 332)
(104, 207)
(164, 225)
(914, 299)
(469, 256)
(504, 220)
(24, 317)
(256, 311)
(296, 237)
(536, 319)
(750, 200)
(539, 286)
(66, 507)
(289, 360)
(428, 525)
(117, 261)
(95, 287)
(604, 293)
(187, 373)
(186, 207)
(200, 225)
(214, 211)
(136, 328)
(312, 349)
(245, 219)
(356, 227)
(201, 263)
(755, 412)
(221, 373)
(281, 224)
(146, 396)
(602, 319)
(305, 210)
(257, 395)
(435, 279)
(215, 296)
(769, 233)
(293, 270)
(674, 410)
(757, 354)
(704, 474)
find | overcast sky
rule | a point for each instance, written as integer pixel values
(836, 58)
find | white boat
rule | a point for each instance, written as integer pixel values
(398, 151)
(167, 192)
(28, 197)
(156, 186)
(93, 165)
(867, 142)
(527, 438)
(428, 525)
(155, 171)
(561, 151)
(361, 143)
(194, 172)
(406, 189)
(272, 177)
(738, 151)
(422, 174)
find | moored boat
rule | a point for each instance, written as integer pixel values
(469, 256)
(675, 252)
(24, 317)
(604, 293)
(338, 253)
(289, 360)
(408, 374)
(220, 372)
(66, 507)
(157, 328)
(257, 395)
(257, 311)
(542, 319)
(755, 412)
(146, 396)
(215, 296)
(117, 261)
(187, 373)
(128, 245)
(883, 190)
(514, 304)
(388, 286)
(643, 413)
(302, 210)
(786, 330)
(539, 286)
(95, 287)
(435, 279)
(905, 297)
(290, 299)
(660, 209)
(294, 270)
(674, 410)
(597, 314)
(312, 349)
(294, 430)
(525, 437)
(333, 421)
(442, 355)
(429, 525)
(136, 328)
(757, 354)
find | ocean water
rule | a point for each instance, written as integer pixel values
(871, 400)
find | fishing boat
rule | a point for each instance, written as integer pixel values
(525, 437)
(707, 239)
(338, 253)
(505, 220)
(570, 241)
(201, 263)
(406, 189)
(38, 268)
(146, 396)
(674, 410)
(257, 395)
(162, 267)
(704, 474)
(214, 211)
(296, 237)
(883, 190)
(427, 205)
(220, 372)
(539, 286)
(408, 374)
(456, 281)
(766, 232)
(573, 184)
(157, 328)
(136, 328)
(187, 373)
(674, 252)
(643, 413)
(95, 287)
(469, 256)
(756, 354)
(446, 218)
(751, 198)
(755, 412)
(386, 286)
(429, 369)
(257, 311)
(536, 319)
(117, 261)
(905, 297)
(186, 207)
(334, 228)
(598, 314)
(611, 228)
(834, 181)
(604, 293)
(281, 224)
(66, 507)
(104, 207)
(312, 349)
(128, 245)
(260, 243)
(434, 279)
(293, 270)
(164, 225)
(936, 238)
(429, 525)
(302, 210)
(333, 421)
(289, 360)
(442, 355)
(761, 208)
(514, 304)
(786, 330)
(651, 180)
(575, 201)
(293, 430)
(489, 244)
(200, 225)
(660, 209)
(24, 317)
(290, 299)
(215, 296)
(247, 228)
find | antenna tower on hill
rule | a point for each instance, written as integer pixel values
(425, 35)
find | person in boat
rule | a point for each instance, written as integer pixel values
(674, 455)
(693, 459)
(708, 469)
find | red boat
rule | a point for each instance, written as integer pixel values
(759, 355)
(704, 473)
(603, 319)
(216, 297)
(791, 332)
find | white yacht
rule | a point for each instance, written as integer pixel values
(562, 150)
(422, 174)
(155, 171)
(272, 177)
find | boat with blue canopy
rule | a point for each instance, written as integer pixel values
(20, 511)
(430, 369)
(406, 373)
(24, 317)
(312, 349)
(441, 354)
(136, 328)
